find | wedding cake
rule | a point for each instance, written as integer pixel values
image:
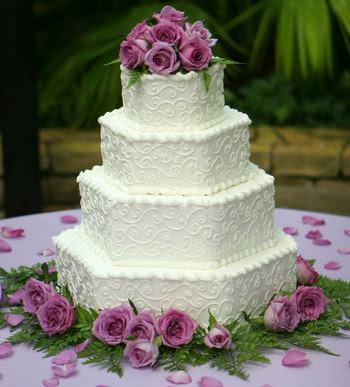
(177, 216)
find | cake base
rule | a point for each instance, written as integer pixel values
(246, 285)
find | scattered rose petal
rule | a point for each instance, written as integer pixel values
(314, 234)
(294, 358)
(16, 297)
(179, 377)
(321, 242)
(64, 370)
(4, 246)
(13, 319)
(290, 230)
(332, 265)
(65, 357)
(266, 385)
(52, 269)
(69, 219)
(347, 232)
(312, 221)
(5, 349)
(343, 250)
(102, 385)
(52, 382)
(8, 232)
(208, 381)
(82, 346)
(46, 252)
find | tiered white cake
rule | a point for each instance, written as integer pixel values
(176, 216)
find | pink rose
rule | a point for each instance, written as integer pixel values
(305, 272)
(162, 59)
(176, 328)
(218, 337)
(36, 293)
(310, 302)
(195, 54)
(56, 315)
(165, 32)
(141, 353)
(132, 53)
(198, 28)
(144, 326)
(139, 31)
(170, 14)
(281, 315)
(112, 324)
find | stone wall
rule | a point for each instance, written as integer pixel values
(312, 167)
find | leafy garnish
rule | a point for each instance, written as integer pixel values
(114, 61)
(223, 61)
(135, 76)
(207, 79)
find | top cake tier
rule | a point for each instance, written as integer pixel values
(175, 101)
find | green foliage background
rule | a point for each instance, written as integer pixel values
(292, 51)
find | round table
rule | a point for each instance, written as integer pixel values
(26, 367)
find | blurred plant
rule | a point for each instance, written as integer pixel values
(299, 38)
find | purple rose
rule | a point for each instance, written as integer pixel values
(139, 31)
(36, 293)
(132, 53)
(170, 14)
(165, 32)
(310, 302)
(144, 326)
(162, 59)
(176, 328)
(281, 315)
(141, 353)
(198, 28)
(218, 337)
(112, 324)
(195, 54)
(56, 315)
(305, 272)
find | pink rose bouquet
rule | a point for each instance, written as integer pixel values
(310, 301)
(176, 327)
(167, 46)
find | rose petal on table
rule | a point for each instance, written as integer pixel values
(290, 230)
(69, 219)
(332, 265)
(46, 252)
(266, 385)
(8, 232)
(65, 357)
(208, 381)
(5, 349)
(312, 221)
(321, 242)
(343, 250)
(13, 319)
(4, 246)
(347, 232)
(82, 346)
(314, 234)
(16, 297)
(179, 377)
(52, 382)
(102, 385)
(294, 358)
(64, 370)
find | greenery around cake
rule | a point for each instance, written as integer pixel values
(246, 338)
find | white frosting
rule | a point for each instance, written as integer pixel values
(174, 101)
(200, 162)
(198, 232)
(244, 285)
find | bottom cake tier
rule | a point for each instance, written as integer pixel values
(246, 285)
